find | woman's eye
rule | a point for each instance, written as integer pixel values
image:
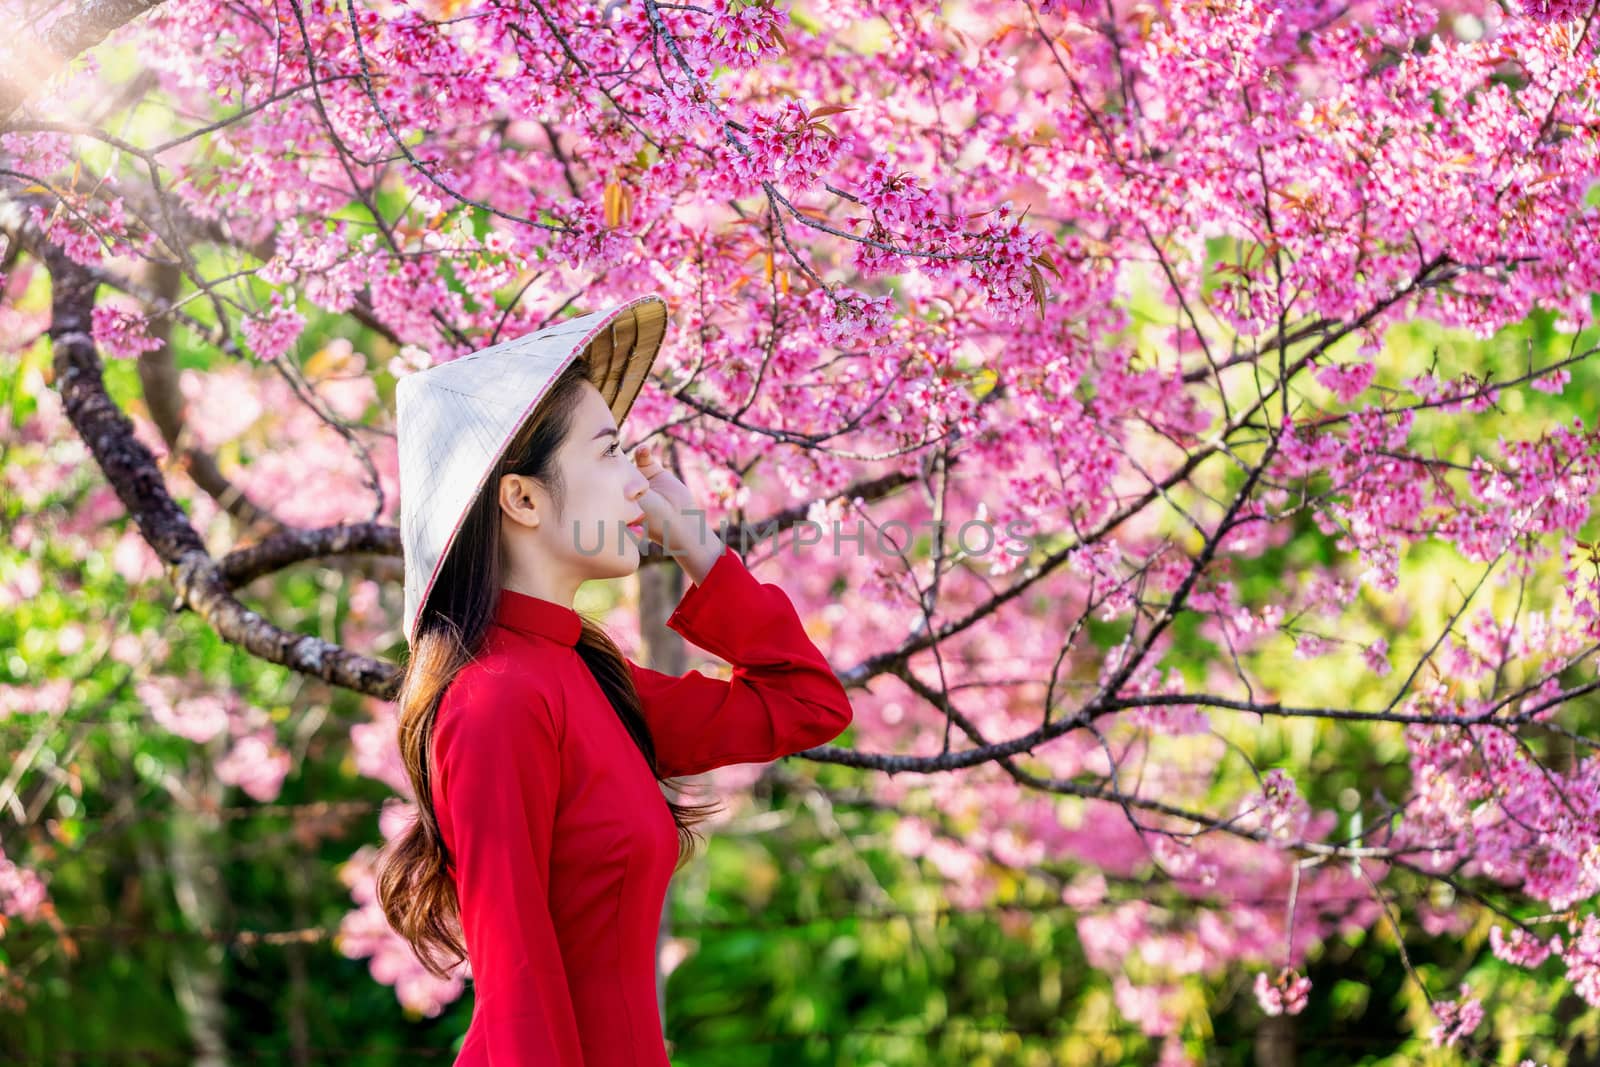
(612, 448)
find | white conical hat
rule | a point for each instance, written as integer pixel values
(455, 421)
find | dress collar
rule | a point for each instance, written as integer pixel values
(534, 615)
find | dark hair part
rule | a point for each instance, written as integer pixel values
(415, 887)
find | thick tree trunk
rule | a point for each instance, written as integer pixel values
(301, 884)
(660, 589)
(1275, 1041)
(190, 864)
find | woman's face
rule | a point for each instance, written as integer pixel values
(590, 539)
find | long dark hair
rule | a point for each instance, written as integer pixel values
(415, 888)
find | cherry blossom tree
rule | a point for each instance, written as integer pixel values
(1042, 332)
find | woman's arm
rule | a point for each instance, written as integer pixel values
(783, 697)
(499, 761)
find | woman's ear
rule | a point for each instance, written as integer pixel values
(517, 500)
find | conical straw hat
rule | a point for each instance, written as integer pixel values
(455, 421)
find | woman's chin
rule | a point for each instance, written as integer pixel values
(627, 557)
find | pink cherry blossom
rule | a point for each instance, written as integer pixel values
(1285, 993)
(1457, 1018)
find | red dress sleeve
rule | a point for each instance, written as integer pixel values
(783, 696)
(499, 764)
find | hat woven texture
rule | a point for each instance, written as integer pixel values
(454, 421)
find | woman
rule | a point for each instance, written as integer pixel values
(533, 745)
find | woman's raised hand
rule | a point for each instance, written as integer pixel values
(673, 521)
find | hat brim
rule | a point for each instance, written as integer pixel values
(621, 356)
(622, 346)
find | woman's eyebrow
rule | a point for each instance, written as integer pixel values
(612, 430)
